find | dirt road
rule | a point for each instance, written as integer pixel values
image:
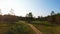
(35, 29)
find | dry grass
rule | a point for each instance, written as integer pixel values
(47, 29)
(17, 28)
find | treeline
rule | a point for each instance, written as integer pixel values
(8, 18)
(53, 18)
(13, 18)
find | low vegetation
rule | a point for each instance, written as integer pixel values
(17, 28)
(47, 28)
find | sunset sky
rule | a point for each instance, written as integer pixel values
(37, 7)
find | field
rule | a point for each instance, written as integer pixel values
(22, 27)
(17, 28)
(46, 27)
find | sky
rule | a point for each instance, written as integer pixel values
(37, 7)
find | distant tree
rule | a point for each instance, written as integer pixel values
(26, 15)
(11, 12)
(0, 12)
(39, 17)
(52, 16)
(52, 13)
(29, 16)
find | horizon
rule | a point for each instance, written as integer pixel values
(37, 7)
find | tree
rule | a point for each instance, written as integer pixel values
(52, 13)
(11, 12)
(29, 17)
(52, 16)
(39, 17)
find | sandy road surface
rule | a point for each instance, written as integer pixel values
(35, 29)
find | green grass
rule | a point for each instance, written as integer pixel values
(43, 23)
(22, 28)
(47, 28)
(17, 28)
